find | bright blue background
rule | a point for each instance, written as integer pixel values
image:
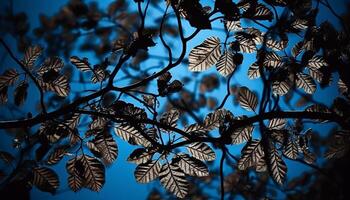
(120, 182)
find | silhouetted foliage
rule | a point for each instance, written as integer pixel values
(84, 104)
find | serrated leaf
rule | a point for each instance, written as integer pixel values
(297, 49)
(247, 99)
(262, 13)
(233, 25)
(290, 150)
(255, 34)
(309, 157)
(191, 165)
(8, 78)
(201, 151)
(52, 63)
(273, 60)
(251, 154)
(241, 135)
(31, 54)
(141, 155)
(94, 172)
(131, 134)
(246, 45)
(281, 87)
(317, 62)
(299, 24)
(276, 45)
(342, 88)
(60, 86)
(75, 171)
(99, 75)
(81, 63)
(253, 71)
(45, 179)
(148, 171)
(205, 55)
(170, 118)
(225, 65)
(107, 147)
(305, 82)
(56, 155)
(277, 123)
(196, 129)
(317, 108)
(278, 168)
(261, 165)
(315, 74)
(73, 121)
(174, 180)
(213, 120)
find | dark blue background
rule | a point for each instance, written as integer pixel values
(120, 182)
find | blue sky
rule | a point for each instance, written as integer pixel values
(120, 182)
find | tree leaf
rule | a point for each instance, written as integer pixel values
(174, 180)
(253, 71)
(273, 60)
(233, 25)
(300, 24)
(317, 62)
(262, 13)
(281, 87)
(196, 129)
(201, 151)
(8, 78)
(99, 75)
(57, 155)
(205, 55)
(316, 74)
(60, 86)
(278, 168)
(191, 165)
(94, 172)
(141, 155)
(247, 99)
(52, 63)
(305, 82)
(225, 64)
(148, 171)
(131, 134)
(343, 89)
(75, 170)
(297, 49)
(255, 35)
(242, 134)
(170, 118)
(81, 63)
(213, 120)
(246, 45)
(276, 45)
(277, 123)
(291, 150)
(107, 147)
(31, 54)
(251, 154)
(45, 179)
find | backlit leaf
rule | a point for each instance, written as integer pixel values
(247, 99)
(174, 180)
(205, 55)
